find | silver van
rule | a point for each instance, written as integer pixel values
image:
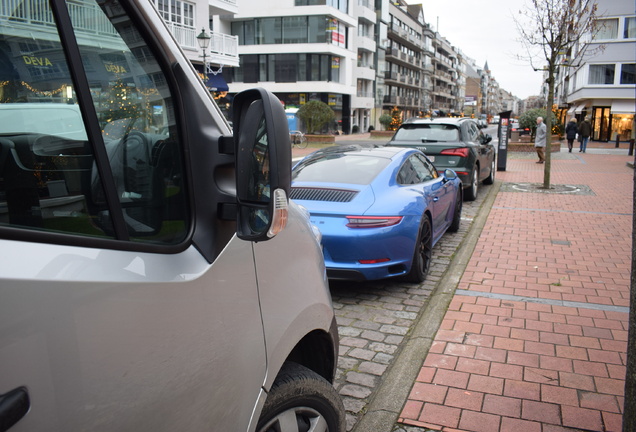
(154, 275)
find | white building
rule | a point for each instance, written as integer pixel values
(603, 86)
(304, 50)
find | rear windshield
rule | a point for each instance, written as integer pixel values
(340, 168)
(427, 133)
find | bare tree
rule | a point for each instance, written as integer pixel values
(556, 32)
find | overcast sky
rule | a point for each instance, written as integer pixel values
(485, 31)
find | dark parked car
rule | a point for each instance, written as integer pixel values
(455, 143)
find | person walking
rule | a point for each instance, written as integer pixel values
(570, 133)
(585, 130)
(540, 139)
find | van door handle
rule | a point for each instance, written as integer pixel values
(13, 406)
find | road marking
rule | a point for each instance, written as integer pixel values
(551, 302)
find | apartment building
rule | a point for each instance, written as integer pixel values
(303, 50)
(600, 84)
(190, 20)
(403, 73)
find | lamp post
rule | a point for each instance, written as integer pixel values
(204, 42)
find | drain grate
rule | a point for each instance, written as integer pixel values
(554, 189)
(561, 242)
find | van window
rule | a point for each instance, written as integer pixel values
(49, 174)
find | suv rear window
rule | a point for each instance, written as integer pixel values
(427, 133)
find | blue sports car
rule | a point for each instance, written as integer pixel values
(380, 209)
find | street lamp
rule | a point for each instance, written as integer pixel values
(204, 42)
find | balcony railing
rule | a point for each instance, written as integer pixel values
(223, 44)
(86, 17)
(185, 36)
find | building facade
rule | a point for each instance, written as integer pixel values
(600, 84)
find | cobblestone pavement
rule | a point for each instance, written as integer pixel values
(374, 317)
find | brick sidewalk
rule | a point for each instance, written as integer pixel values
(535, 337)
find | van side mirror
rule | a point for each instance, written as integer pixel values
(486, 139)
(263, 164)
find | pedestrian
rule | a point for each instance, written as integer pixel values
(585, 130)
(570, 132)
(540, 139)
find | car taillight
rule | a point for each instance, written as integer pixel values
(372, 221)
(461, 152)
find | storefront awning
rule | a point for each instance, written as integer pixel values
(623, 106)
(216, 83)
(580, 108)
(571, 110)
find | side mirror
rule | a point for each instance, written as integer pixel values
(449, 174)
(263, 164)
(486, 139)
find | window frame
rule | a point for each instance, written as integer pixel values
(75, 63)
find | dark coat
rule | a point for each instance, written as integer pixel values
(585, 129)
(571, 130)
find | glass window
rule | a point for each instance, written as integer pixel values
(50, 179)
(317, 26)
(340, 168)
(286, 65)
(335, 69)
(249, 32)
(601, 74)
(295, 29)
(268, 31)
(249, 66)
(262, 68)
(628, 73)
(607, 28)
(630, 28)
(302, 67)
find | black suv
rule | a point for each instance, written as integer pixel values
(455, 143)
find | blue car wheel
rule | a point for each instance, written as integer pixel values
(422, 254)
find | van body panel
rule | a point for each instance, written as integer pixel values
(113, 340)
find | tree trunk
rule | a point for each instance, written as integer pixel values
(548, 125)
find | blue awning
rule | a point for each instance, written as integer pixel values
(216, 83)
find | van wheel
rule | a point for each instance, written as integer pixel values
(301, 400)
(457, 212)
(471, 192)
(422, 254)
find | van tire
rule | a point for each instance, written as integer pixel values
(300, 392)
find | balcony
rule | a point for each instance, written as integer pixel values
(224, 49)
(223, 7)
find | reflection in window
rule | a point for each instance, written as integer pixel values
(628, 73)
(630, 28)
(49, 177)
(607, 28)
